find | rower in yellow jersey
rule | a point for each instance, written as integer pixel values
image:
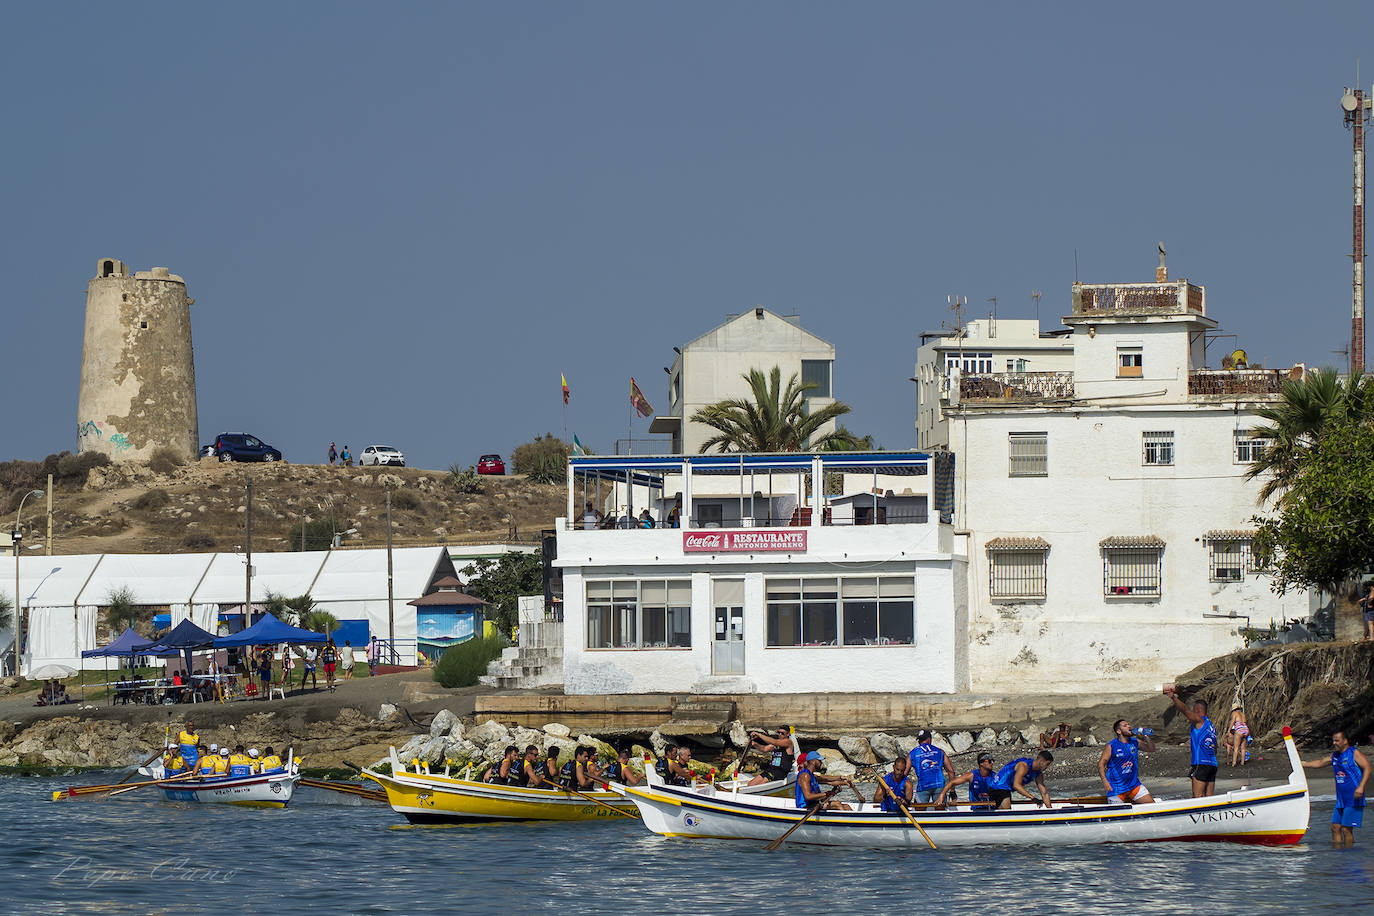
(240, 764)
(271, 763)
(188, 741)
(222, 762)
(205, 766)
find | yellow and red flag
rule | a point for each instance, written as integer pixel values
(566, 392)
(637, 399)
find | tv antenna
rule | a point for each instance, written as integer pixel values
(992, 320)
(1035, 301)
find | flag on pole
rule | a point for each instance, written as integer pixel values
(566, 393)
(578, 448)
(638, 401)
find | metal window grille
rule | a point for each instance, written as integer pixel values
(1229, 560)
(1016, 573)
(1249, 448)
(1131, 571)
(1028, 454)
(1157, 448)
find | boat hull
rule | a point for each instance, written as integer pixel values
(271, 790)
(1273, 816)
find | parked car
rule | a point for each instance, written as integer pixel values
(491, 464)
(243, 447)
(381, 454)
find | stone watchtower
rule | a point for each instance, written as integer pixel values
(138, 377)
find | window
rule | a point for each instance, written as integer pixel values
(639, 614)
(1157, 448)
(817, 371)
(1131, 571)
(1130, 362)
(863, 611)
(1028, 454)
(1017, 571)
(1016, 365)
(1249, 447)
(969, 363)
(1228, 560)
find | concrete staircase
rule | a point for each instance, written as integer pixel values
(525, 666)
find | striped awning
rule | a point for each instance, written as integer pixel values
(1015, 543)
(1132, 540)
(1230, 534)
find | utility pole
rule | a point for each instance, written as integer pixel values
(248, 568)
(1356, 108)
(390, 610)
(49, 515)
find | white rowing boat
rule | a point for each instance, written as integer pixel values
(424, 797)
(1270, 816)
(260, 790)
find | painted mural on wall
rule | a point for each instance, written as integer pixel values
(450, 626)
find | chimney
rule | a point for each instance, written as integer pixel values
(1161, 272)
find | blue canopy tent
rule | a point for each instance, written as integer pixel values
(269, 631)
(184, 638)
(127, 643)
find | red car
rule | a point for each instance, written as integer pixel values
(491, 464)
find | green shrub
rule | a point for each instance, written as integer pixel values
(465, 479)
(148, 500)
(198, 540)
(551, 468)
(542, 453)
(461, 665)
(165, 461)
(72, 469)
(405, 499)
(319, 534)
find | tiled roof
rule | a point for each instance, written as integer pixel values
(1132, 540)
(1015, 543)
(1230, 534)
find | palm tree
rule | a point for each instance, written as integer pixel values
(120, 609)
(1306, 407)
(6, 613)
(773, 421)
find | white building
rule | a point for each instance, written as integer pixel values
(857, 589)
(712, 368)
(1105, 505)
(988, 348)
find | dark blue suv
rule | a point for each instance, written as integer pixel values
(243, 447)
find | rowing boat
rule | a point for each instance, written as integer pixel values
(424, 797)
(1269, 816)
(260, 790)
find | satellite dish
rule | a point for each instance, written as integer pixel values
(1349, 102)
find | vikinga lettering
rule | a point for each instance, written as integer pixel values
(1231, 814)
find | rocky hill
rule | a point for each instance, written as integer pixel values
(130, 508)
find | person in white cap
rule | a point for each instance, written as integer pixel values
(257, 764)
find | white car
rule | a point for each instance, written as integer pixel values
(381, 454)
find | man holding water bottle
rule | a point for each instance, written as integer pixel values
(1119, 764)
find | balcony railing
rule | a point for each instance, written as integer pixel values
(1016, 386)
(1238, 381)
(1110, 299)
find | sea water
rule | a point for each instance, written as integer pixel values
(332, 854)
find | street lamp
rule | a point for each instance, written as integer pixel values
(16, 539)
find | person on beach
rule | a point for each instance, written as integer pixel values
(346, 660)
(931, 767)
(808, 788)
(1059, 738)
(333, 454)
(1351, 770)
(899, 785)
(1367, 608)
(309, 657)
(979, 781)
(374, 654)
(1202, 741)
(781, 750)
(287, 663)
(329, 657)
(346, 457)
(188, 742)
(1119, 765)
(1013, 777)
(505, 772)
(1237, 735)
(265, 672)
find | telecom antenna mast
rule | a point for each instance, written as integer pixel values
(1357, 108)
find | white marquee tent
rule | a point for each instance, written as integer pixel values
(64, 594)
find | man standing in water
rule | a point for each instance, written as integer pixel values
(1351, 769)
(1119, 765)
(1202, 738)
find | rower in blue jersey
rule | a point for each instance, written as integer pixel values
(1119, 765)
(979, 782)
(930, 767)
(899, 786)
(1351, 770)
(1014, 776)
(1202, 740)
(187, 743)
(807, 791)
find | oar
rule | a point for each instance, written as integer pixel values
(75, 791)
(902, 805)
(134, 772)
(595, 801)
(820, 803)
(345, 788)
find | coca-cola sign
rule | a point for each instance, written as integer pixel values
(787, 540)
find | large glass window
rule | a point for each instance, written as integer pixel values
(783, 600)
(639, 614)
(852, 611)
(818, 372)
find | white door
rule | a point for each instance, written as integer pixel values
(727, 626)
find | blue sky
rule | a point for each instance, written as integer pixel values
(401, 222)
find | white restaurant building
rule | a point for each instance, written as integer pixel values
(1105, 505)
(790, 573)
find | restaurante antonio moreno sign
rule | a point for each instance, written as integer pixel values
(787, 541)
